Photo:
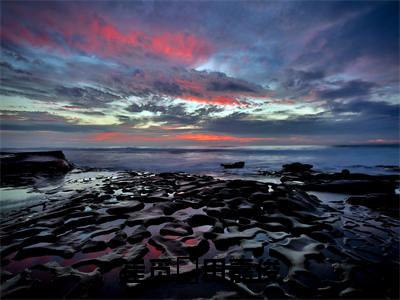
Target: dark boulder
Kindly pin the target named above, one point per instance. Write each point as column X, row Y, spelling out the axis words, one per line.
column 354, row 187
column 235, row 165
column 389, row 203
column 31, row 163
column 297, row 167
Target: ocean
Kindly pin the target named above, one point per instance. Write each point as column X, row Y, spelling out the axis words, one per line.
column 206, row 161
column 364, row 159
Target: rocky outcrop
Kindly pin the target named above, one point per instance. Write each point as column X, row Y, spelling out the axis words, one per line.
column 235, row 165
column 16, row 165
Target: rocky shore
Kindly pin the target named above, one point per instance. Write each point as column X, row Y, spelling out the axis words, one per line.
column 80, row 241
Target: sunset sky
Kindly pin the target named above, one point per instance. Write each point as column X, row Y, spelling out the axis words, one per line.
column 171, row 73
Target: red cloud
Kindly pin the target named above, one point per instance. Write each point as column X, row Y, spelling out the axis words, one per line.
column 92, row 34
column 118, row 137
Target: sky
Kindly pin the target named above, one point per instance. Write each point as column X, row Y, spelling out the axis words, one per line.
column 177, row 73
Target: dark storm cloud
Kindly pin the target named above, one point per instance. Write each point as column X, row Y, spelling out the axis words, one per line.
column 368, row 119
column 43, row 121
column 366, row 108
column 299, row 83
column 86, row 96
column 168, row 88
column 361, row 127
column 310, row 75
column 229, row 87
column 56, row 127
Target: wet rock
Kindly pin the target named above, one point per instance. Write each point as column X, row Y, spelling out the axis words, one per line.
column 177, row 229
column 235, row 165
column 5, row 275
column 297, row 167
column 345, row 172
column 170, row 208
column 137, row 236
column 171, row 247
column 33, row 162
column 247, row 210
column 75, row 222
column 275, row 226
column 353, row 186
column 119, row 239
column 256, row 247
column 188, row 215
column 199, row 220
column 115, row 258
column 351, row 293
column 82, row 282
column 196, row 247
column 296, row 252
column 104, row 231
column 274, row 291
column 125, row 207
column 258, row 197
column 45, row 249
column 234, row 236
column 226, row 193
column 18, row 285
column 385, row 202
column 94, row 246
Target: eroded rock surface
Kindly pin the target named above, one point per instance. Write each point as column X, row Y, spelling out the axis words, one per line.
column 80, row 241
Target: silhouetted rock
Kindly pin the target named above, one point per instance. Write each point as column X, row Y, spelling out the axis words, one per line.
column 296, row 167
column 34, row 162
column 18, row 168
column 389, row 203
column 235, row 165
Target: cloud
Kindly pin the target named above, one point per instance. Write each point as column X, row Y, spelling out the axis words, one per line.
column 358, row 119
column 354, row 88
column 229, row 87
column 83, row 30
column 366, row 108
column 86, row 96
column 118, row 137
column 361, row 36
column 265, row 69
column 43, row 121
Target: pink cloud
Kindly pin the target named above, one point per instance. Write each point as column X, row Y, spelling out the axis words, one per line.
column 83, row 30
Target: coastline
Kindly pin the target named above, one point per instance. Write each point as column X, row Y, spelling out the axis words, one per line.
column 77, row 242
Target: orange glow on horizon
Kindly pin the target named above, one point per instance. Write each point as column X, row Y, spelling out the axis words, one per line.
column 383, row 141
column 118, row 137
